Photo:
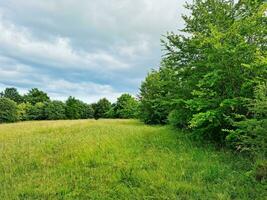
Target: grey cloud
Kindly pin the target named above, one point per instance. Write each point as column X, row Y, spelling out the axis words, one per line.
column 108, row 45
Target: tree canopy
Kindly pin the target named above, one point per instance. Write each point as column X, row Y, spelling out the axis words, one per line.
column 210, row 71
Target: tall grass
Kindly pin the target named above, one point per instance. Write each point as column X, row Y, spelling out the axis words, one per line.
column 116, row 159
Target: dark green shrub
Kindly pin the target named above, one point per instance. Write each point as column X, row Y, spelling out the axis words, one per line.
column 8, row 110
column 260, row 171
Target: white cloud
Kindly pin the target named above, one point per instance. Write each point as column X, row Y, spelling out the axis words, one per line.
column 85, row 48
column 20, row 43
column 86, row 91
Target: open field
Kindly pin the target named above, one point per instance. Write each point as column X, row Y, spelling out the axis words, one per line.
column 116, row 159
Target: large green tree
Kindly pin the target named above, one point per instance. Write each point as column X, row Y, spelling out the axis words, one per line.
column 13, row 94
column 36, row 111
column 76, row 109
column 126, row 107
column 101, row 108
column 209, row 72
column 55, row 110
column 35, row 95
column 73, row 108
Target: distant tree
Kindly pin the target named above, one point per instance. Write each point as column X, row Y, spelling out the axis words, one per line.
column 111, row 113
column 13, row 94
column 87, row 111
column 76, row 109
column 36, row 112
column 101, row 108
column 55, row 110
column 23, row 111
column 126, row 107
column 35, row 95
column 8, row 110
column 73, row 108
column 93, row 105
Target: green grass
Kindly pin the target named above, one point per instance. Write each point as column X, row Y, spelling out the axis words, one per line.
column 116, row 159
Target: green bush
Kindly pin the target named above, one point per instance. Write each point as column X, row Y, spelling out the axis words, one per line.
column 8, row 110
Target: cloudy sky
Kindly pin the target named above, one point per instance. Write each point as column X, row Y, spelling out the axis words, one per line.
column 85, row 48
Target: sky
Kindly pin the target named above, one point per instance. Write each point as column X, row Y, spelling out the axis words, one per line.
column 88, row 49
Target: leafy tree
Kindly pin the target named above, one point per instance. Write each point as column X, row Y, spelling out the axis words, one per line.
column 36, row 111
column 231, row 57
column 250, row 134
column 111, row 113
column 155, row 104
column 13, row 94
column 76, row 109
column 35, row 95
column 151, row 106
column 126, row 107
column 73, row 108
column 54, row 110
column 208, row 74
column 8, row 110
column 101, row 108
column 87, row 111
column 23, row 111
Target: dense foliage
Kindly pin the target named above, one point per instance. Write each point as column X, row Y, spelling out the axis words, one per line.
column 8, row 111
column 36, row 105
column 55, row 110
column 213, row 77
column 126, row 107
column 101, row 108
column 76, row 109
column 13, row 94
column 35, row 96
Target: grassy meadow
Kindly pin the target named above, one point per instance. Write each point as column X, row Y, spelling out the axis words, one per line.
column 116, row 159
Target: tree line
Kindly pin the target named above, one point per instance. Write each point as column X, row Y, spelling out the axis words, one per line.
column 212, row 79
column 37, row 105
